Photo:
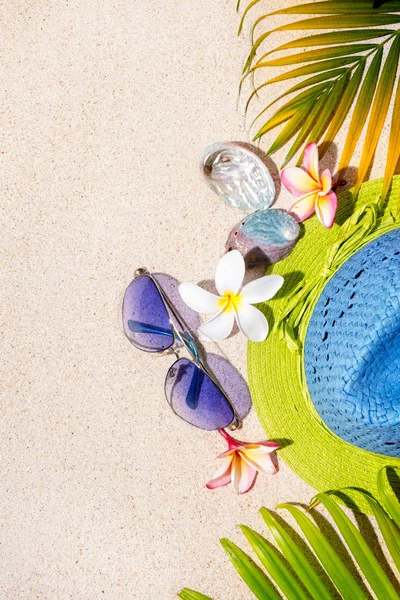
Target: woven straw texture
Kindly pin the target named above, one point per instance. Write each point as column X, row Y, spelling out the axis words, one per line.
column 352, row 348
column 276, row 367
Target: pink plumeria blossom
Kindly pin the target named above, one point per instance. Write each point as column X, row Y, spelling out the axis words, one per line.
column 241, row 462
column 313, row 191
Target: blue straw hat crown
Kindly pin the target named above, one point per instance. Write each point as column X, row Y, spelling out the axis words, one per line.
column 352, row 348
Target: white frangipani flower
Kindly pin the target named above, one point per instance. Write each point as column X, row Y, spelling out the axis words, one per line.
column 232, row 302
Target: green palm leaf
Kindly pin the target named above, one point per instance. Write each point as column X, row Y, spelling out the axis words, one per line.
column 328, row 52
column 388, row 529
column 322, row 8
column 286, row 563
column 187, row 594
column 316, row 67
column 372, row 570
column 358, row 85
column 393, row 155
column 329, row 22
column 336, row 569
column 275, row 565
column 379, row 109
column 296, row 559
column 389, row 499
column 290, row 128
column 361, row 110
column 255, row 578
column 328, row 8
column 333, row 100
column 332, row 38
column 312, row 117
column 343, row 108
column 324, row 77
column 291, row 107
column 335, row 37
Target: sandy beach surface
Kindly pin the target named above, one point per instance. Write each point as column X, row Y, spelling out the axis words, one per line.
column 105, row 107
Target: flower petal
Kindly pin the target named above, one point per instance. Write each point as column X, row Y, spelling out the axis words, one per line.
column 218, row 328
column 262, row 289
column 252, row 323
column 326, row 209
column 260, row 462
column 326, row 182
column 222, row 476
column 229, row 452
column 298, row 182
column 230, row 273
column 310, row 160
column 304, row 206
column 197, row 298
column 263, row 447
column 243, row 475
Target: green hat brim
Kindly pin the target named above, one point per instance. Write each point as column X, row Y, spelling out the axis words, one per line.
column 276, row 366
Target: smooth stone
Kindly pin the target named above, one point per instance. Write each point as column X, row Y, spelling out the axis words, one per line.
column 266, row 236
column 238, row 175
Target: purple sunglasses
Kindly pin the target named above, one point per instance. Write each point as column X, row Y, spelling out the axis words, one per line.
column 152, row 324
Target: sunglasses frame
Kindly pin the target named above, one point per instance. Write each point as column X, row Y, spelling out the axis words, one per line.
column 187, row 341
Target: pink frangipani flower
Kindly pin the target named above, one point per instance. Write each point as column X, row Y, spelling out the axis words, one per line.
column 313, row 191
column 241, row 462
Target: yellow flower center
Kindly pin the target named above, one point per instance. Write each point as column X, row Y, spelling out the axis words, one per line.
column 230, row 301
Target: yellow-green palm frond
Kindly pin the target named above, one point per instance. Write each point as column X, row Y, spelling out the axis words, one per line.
column 346, row 67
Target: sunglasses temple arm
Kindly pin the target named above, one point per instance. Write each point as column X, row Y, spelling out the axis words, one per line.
column 186, row 339
column 192, row 348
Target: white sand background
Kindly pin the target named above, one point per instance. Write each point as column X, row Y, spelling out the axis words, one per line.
column 105, row 106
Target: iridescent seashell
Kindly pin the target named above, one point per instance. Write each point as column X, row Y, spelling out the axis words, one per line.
column 238, row 175
column 265, row 236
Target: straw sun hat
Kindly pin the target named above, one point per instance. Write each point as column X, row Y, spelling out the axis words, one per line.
column 326, row 383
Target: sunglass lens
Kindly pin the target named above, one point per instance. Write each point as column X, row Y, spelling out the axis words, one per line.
column 194, row 397
column 145, row 318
